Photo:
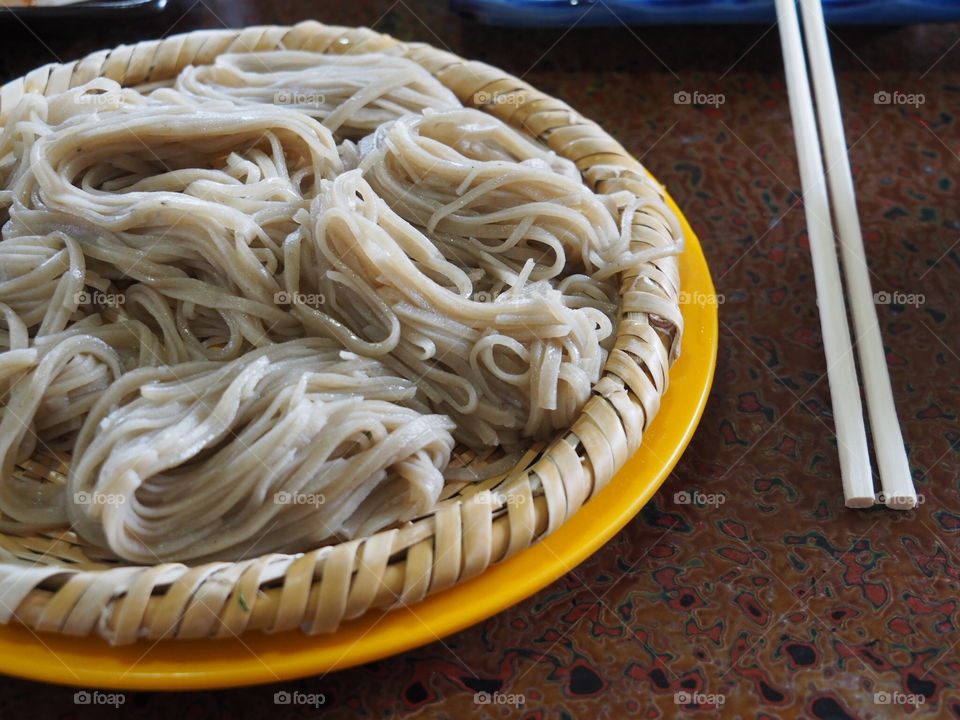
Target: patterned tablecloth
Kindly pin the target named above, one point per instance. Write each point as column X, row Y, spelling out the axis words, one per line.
column 765, row 598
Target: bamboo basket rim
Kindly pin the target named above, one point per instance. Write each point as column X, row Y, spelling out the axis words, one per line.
column 52, row 585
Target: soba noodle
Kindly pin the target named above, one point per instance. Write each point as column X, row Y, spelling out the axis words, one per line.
column 254, row 308
column 519, row 366
column 287, row 446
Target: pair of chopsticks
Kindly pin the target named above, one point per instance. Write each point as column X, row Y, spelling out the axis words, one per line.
column 897, row 485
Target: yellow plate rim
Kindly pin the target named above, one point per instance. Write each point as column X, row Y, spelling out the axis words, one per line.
column 258, row 658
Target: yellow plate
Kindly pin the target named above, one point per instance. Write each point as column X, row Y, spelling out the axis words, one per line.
column 260, row 658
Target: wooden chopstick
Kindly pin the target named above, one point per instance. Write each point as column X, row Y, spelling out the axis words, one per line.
column 895, row 478
column 841, row 369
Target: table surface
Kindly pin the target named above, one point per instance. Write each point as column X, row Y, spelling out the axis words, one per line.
column 773, row 598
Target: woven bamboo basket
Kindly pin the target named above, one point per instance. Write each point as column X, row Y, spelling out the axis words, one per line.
column 53, row 582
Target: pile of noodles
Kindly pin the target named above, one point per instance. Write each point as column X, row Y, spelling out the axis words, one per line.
column 256, row 308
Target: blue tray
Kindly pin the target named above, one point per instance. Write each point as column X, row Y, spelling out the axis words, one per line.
column 88, row 10
column 561, row 13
